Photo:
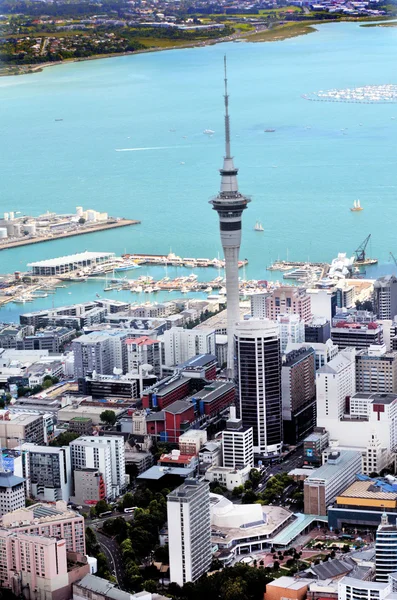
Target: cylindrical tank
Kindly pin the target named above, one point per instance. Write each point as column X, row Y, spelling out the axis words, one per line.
column 13, row 229
column 12, row 216
column 3, row 233
column 91, row 215
column 30, row 228
column 79, row 211
column 6, row 216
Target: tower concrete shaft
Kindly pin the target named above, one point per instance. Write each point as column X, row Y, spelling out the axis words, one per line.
column 229, row 204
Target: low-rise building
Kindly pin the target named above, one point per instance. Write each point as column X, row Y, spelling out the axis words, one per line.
column 314, row 445
column 17, row 428
column 356, row 335
column 96, row 588
column 214, row 397
column 324, row 484
column 228, row 476
column 89, row 486
column 192, row 441
column 363, row 502
column 80, row 425
column 12, row 493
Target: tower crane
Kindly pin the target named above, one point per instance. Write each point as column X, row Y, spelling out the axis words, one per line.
column 360, row 252
column 361, row 257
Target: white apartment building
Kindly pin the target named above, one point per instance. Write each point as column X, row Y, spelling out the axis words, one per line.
column 189, row 531
column 143, row 351
column 237, row 443
column 105, row 454
column 323, row 303
column 335, row 382
column 47, row 471
column 100, row 351
column 368, row 423
column 181, row 344
column 258, row 305
column 292, row 329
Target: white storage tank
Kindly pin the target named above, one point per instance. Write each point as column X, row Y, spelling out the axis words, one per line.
column 91, row 215
column 3, row 233
column 30, row 228
column 79, row 211
column 10, row 229
column 6, row 216
column 12, row 216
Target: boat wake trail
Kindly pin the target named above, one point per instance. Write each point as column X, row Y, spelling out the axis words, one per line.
column 149, row 148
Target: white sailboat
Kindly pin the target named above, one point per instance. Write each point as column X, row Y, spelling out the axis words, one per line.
column 258, row 226
column 356, row 206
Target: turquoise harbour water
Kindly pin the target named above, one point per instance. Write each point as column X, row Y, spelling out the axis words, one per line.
column 303, row 177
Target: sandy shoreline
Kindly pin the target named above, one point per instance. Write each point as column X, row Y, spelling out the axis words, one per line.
column 37, row 68
column 261, row 34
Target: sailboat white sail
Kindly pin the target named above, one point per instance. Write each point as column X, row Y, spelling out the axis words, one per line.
column 258, row 226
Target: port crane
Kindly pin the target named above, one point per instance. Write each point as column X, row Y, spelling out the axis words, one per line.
column 394, row 258
column 361, row 257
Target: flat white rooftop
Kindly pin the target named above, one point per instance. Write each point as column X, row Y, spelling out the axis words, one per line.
column 72, row 258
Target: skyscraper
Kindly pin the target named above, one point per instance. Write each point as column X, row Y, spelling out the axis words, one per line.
column 385, row 549
column 258, row 377
column 385, row 297
column 229, row 204
column 189, row 531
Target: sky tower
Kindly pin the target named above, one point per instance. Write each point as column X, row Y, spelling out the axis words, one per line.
column 229, row 204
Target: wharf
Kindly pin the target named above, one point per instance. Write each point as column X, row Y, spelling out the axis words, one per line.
column 56, row 236
column 285, row 265
column 176, row 261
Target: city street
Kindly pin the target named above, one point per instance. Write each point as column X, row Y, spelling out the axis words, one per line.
column 113, row 554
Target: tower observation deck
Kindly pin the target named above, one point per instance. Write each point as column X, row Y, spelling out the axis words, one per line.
column 229, row 204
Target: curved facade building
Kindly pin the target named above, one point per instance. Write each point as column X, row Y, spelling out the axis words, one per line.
column 258, row 378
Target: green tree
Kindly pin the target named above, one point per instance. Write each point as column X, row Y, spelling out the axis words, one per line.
column 150, row 586
column 109, row 417
column 101, row 507
column 64, row 438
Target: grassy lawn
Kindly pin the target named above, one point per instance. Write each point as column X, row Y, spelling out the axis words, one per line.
column 281, row 32
column 284, row 9
column 164, row 43
column 241, row 26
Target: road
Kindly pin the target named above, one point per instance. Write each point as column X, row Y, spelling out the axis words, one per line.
column 113, row 554
column 110, row 548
